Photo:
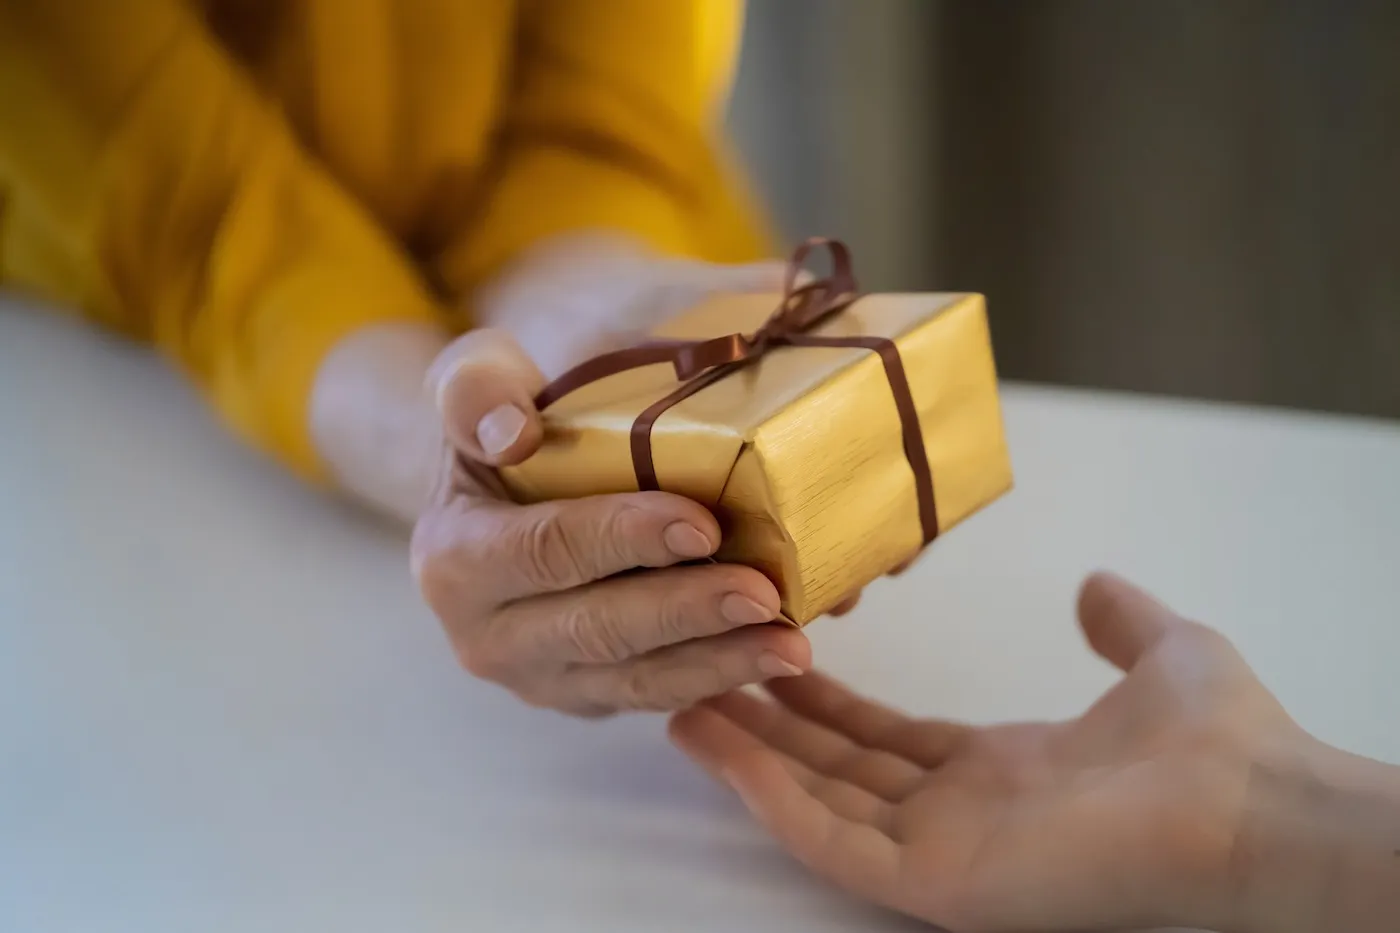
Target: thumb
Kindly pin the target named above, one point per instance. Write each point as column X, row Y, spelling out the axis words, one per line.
column 1120, row 621
column 485, row 386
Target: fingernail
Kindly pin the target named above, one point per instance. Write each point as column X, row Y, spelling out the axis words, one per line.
column 741, row 610
column 499, row 428
column 771, row 665
column 685, row 540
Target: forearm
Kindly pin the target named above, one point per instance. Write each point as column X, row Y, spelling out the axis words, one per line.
column 1320, row 845
column 160, row 191
column 614, row 124
column 375, row 422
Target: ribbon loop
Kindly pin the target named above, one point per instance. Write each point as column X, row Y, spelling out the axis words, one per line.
column 841, row 280
column 696, row 358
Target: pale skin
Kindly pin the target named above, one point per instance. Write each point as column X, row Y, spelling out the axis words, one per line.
column 1184, row 797
column 536, row 598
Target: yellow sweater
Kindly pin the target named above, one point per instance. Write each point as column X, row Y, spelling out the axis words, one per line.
column 244, row 182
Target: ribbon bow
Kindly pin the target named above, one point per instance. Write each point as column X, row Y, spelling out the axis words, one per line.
column 802, row 308
column 701, row 363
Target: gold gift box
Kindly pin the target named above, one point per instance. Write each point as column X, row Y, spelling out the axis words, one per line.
column 800, row 455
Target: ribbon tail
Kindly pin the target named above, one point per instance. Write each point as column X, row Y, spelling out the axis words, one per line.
column 643, row 464
column 610, row 364
column 912, row 430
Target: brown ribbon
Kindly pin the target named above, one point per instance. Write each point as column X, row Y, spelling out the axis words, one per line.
column 701, row 363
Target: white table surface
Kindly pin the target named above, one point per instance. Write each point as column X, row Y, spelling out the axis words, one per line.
column 222, row 706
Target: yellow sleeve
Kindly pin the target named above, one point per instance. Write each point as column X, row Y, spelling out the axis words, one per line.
column 157, row 190
column 614, row 123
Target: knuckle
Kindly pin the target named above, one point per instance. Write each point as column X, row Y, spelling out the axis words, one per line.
column 618, row 534
column 591, row 634
column 549, row 556
column 675, row 618
column 692, row 606
column 637, row 688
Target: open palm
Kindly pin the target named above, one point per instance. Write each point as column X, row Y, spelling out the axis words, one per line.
column 1125, row 816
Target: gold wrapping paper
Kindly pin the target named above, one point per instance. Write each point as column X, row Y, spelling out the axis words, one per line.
column 800, row 455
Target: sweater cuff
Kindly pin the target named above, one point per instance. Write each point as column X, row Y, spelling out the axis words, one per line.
column 548, row 191
column 302, row 319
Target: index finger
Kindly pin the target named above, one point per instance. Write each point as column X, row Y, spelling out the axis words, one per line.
column 514, row 551
column 821, row 700
column 855, row 855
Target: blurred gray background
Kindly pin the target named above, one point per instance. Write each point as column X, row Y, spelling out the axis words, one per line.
column 1193, row 197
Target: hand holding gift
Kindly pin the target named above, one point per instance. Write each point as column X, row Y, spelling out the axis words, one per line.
column 539, row 598
column 814, row 448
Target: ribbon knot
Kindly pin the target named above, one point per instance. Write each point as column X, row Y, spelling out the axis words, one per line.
column 700, row 363
column 801, row 308
column 694, row 360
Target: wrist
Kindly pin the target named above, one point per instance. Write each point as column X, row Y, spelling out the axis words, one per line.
column 571, row 296
column 1319, row 843
column 374, row 421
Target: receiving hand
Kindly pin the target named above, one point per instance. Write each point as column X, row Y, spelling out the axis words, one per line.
column 1127, row 816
